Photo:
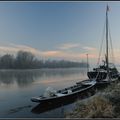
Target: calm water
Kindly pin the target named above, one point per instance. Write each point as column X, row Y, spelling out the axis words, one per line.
column 18, row 86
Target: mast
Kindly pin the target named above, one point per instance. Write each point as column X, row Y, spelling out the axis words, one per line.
column 87, row 64
column 107, row 58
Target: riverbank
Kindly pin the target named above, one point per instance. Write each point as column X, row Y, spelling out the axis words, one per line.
column 104, row 104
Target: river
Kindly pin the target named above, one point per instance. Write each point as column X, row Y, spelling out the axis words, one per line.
column 18, row 86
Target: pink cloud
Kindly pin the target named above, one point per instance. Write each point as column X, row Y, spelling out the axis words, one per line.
column 50, row 53
column 89, row 48
column 68, row 46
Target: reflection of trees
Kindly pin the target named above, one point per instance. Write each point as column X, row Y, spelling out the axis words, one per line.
column 6, row 78
column 22, row 78
column 26, row 77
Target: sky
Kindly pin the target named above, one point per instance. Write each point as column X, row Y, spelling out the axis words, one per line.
column 58, row 30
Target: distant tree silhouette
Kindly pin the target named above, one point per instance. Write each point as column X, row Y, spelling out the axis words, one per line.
column 26, row 60
column 7, row 61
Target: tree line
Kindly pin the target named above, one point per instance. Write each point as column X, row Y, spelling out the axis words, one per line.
column 26, row 60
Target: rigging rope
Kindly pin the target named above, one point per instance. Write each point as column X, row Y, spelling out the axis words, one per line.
column 113, row 58
column 101, row 45
column 100, row 50
column 112, row 53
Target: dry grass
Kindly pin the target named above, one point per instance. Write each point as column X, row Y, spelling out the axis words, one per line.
column 98, row 107
column 105, row 104
column 113, row 95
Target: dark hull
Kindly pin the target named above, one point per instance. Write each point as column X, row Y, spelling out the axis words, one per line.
column 101, row 75
column 41, row 108
column 93, row 75
column 73, row 96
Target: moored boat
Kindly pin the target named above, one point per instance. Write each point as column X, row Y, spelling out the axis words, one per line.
column 106, row 73
column 73, row 92
column 101, row 75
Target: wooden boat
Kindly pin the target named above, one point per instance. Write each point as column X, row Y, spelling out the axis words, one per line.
column 41, row 108
column 73, row 92
column 101, row 75
column 106, row 73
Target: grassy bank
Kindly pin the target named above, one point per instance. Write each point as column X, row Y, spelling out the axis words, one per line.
column 104, row 104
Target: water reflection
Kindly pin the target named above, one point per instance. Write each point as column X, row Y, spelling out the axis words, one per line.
column 41, row 108
column 18, row 86
column 26, row 77
column 19, row 77
column 17, row 109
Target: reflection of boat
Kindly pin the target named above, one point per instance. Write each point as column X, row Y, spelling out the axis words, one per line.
column 73, row 92
column 106, row 73
column 41, row 108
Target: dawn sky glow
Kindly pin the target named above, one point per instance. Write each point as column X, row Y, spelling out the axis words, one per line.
column 58, row 30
